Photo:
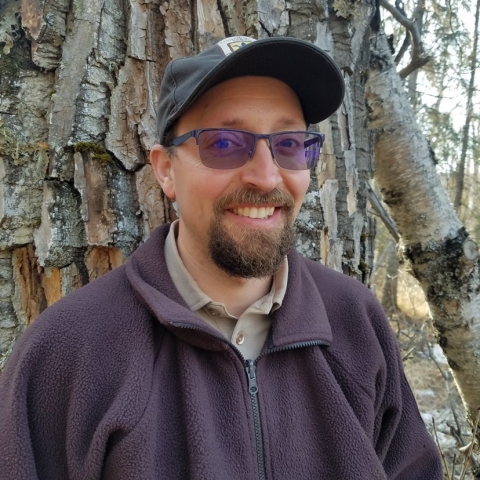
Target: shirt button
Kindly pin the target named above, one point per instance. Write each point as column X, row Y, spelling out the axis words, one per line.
column 240, row 339
column 213, row 313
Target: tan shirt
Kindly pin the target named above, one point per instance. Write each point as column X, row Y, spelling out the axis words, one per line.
column 249, row 331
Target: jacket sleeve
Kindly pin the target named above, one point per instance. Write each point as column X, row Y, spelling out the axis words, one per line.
column 403, row 443
column 78, row 376
column 30, row 413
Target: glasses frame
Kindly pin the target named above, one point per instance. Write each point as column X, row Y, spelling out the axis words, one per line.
column 257, row 136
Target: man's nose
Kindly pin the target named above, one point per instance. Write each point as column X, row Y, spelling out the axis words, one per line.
column 261, row 171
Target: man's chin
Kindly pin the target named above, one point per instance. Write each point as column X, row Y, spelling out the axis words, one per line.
column 250, row 252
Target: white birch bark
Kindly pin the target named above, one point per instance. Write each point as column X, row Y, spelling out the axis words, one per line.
column 442, row 256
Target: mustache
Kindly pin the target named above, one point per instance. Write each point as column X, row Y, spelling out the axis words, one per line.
column 275, row 197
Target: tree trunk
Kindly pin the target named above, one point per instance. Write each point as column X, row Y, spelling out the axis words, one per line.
column 79, row 84
column 443, row 257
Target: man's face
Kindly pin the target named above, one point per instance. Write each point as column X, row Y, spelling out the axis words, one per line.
column 218, row 207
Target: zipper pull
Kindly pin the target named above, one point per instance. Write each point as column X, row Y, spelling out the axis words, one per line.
column 252, row 378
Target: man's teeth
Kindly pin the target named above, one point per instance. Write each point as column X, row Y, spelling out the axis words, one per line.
column 255, row 212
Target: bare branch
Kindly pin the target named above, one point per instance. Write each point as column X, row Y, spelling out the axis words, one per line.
column 403, row 49
column 397, row 15
column 417, row 61
column 415, row 64
column 470, row 450
column 383, row 214
column 444, row 459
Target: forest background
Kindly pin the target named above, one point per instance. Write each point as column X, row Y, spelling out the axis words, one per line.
column 392, row 202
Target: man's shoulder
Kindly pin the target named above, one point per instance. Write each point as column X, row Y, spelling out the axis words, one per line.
column 103, row 308
column 101, row 325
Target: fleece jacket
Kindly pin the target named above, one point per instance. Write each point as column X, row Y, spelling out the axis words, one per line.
column 121, row 381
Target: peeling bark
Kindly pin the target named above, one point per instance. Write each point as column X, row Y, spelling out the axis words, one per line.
column 151, row 200
column 45, row 25
column 51, row 285
column 28, row 298
column 178, row 28
column 100, row 260
column 129, row 103
column 60, row 239
column 209, row 24
column 232, row 18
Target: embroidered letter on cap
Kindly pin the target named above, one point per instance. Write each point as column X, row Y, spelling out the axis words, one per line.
column 229, row 45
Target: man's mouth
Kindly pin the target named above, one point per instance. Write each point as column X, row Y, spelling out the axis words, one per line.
column 254, row 212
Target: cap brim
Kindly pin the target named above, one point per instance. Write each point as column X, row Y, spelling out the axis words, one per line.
column 308, row 70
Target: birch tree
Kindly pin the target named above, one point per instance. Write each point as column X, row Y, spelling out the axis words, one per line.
column 442, row 256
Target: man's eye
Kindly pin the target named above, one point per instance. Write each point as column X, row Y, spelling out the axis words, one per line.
column 222, row 143
column 289, row 143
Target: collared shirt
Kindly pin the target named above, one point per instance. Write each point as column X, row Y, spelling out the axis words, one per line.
column 247, row 332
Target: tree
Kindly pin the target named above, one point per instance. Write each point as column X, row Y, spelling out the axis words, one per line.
column 443, row 257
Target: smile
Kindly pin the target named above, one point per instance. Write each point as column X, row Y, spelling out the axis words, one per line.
column 254, row 212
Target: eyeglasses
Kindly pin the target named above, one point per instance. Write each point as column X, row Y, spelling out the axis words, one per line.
column 224, row 148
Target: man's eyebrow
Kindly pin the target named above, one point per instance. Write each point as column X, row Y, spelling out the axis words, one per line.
column 238, row 122
column 232, row 122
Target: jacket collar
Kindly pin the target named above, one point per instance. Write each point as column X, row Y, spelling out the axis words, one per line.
column 302, row 317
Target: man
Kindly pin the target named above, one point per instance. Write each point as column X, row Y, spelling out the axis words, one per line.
column 217, row 352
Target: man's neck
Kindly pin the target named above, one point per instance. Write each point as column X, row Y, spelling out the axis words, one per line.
column 236, row 293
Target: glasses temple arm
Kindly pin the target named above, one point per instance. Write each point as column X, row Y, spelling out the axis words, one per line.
column 182, row 138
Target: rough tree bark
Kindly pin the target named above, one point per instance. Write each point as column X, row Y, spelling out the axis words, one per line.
column 79, row 82
column 442, row 256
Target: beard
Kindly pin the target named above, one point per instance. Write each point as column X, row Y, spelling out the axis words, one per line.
column 252, row 252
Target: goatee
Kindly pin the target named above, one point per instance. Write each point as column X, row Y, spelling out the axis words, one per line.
column 252, row 253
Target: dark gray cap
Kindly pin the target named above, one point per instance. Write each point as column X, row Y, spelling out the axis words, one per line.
column 308, row 70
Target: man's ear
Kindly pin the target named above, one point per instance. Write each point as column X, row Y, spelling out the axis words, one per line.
column 163, row 169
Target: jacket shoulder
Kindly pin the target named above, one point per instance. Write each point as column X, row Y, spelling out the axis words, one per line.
column 100, row 322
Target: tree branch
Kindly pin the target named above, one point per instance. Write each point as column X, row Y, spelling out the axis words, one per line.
column 403, row 49
column 415, row 64
column 417, row 61
column 396, row 14
column 383, row 214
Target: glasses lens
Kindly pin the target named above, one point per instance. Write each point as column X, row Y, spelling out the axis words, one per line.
column 224, row 149
column 297, row 150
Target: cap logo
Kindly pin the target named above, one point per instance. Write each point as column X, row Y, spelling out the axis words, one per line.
column 232, row 44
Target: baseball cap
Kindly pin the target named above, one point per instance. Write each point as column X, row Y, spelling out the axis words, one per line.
column 308, row 70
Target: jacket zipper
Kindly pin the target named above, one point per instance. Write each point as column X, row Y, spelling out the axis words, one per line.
column 253, row 390
column 251, row 370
